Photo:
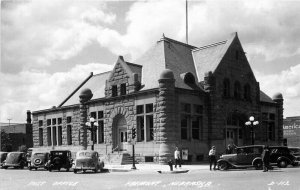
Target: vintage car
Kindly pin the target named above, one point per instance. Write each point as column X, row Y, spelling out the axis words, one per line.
column 2, row 158
column 59, row 159
column 296, row 152
column 87, row 160
column 15, row 159
column 281, row 156
column 245, row 157
column 38, row 160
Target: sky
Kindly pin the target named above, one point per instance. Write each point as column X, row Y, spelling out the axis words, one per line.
column 48, row 47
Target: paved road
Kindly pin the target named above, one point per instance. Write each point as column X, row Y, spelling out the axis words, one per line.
column 287, row 178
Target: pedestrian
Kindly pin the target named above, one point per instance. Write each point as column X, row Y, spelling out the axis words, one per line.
column 229, row 149
column 212, row 157
column 177, row 157
column 266, row 158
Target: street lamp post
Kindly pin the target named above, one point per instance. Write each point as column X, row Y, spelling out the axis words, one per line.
column 252, row 123
column 92, row 126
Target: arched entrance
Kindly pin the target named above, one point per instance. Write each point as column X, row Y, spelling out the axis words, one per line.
column 120, row 135
column 234, row 130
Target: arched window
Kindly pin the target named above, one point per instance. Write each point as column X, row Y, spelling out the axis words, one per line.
column 247, row 92
column 226, row 88
column 237, row 90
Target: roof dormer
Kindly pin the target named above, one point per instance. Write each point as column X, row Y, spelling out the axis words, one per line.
column 125, row 78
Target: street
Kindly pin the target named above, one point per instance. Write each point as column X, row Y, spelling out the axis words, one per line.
column 279, row 178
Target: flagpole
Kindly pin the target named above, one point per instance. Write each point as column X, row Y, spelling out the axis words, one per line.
column 186, row 21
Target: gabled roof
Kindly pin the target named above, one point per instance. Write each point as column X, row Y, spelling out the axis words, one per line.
column 207, row 58
column 97, row 85
column 166, row 54
column 265, row 98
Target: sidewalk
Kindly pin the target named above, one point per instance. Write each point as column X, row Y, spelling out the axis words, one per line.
column 154, row 168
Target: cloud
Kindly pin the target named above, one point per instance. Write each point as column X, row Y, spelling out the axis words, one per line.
column 288, row 83
column 34, row 90
column 35, row 34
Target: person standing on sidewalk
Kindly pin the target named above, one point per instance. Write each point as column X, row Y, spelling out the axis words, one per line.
column 212, row 157
column 177, row 157
column 266, row 158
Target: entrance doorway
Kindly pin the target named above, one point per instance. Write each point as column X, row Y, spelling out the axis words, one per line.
column 120, row 134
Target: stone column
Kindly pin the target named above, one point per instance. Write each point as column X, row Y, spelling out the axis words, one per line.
column 166, row 109
column 279, row 109
column 84, row 97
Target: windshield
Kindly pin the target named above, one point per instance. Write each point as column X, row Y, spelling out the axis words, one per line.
column 86, row 154
column 13, row 157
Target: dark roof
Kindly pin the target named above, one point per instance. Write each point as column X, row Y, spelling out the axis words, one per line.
column 97, row 85
column 265, row 98
column 166, row 54
column 207, row 58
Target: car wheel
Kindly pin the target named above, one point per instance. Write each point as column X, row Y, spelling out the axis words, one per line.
column 223, row 166
column 5, row 167
column 258, row 165
column 282, row 164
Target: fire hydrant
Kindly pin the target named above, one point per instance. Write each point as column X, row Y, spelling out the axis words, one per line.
column 170, row 163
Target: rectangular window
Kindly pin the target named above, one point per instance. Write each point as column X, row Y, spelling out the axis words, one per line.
column 54, row 121
column 140, row 128
column 59, row 121
column 140, row 109
column 93, row 115
column 186, row 108
column 184, row 127
column 149, row 120
column 48, row 122
column 149, row 108
column 123, row 89
column 59, row 128
column 100, row 114
column 69, row 119
column 40, row 136
column 240, row 133
column 271, row 131
column 40, row 123
column 69, row 134
column 49, row 136
column 272, row 116
column 198, row 109
column 114, row 90
column 100, row 131
column 54, row 139
column 195, row 128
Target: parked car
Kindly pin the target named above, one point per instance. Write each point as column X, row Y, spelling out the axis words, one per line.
column 88, row 160
column 281, row 156
column 59, row 159
column 245, row 157
column 38, row 160
column 2, row 158
column 296, row 152
column 15, row 159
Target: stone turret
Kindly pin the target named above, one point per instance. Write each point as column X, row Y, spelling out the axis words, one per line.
column 166, row 109
column 279, row 100
column 85, row 95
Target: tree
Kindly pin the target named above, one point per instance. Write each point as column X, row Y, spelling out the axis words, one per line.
column 6, row 143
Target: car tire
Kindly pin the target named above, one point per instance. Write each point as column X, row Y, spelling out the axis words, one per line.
column 282, row 164
column 223, row 166
column 5, row 167
column 258, row 165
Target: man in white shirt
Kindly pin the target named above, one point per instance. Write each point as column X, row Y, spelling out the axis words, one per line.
column 212, row 157
column 177, row 157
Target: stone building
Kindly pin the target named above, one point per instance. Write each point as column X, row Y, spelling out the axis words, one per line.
column 175, row 94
